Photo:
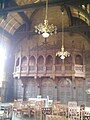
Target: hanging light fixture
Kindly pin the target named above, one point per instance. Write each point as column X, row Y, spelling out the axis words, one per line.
column 62, row 54
column 44, row 28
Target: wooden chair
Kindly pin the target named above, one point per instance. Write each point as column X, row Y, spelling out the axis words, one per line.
column 38, row 109
column 25, row 108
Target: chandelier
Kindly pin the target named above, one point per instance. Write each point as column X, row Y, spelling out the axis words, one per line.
column 44, row 28
column 62, row 54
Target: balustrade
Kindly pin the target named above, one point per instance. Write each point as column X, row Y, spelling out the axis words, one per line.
column 68, row 67
column 32, row 68
column 49, row 67
column 40, row 68
column 24, row 68
column 58, row 68
column 78, row 69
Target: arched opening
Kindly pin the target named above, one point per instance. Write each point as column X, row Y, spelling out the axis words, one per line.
column 49, row 63
column 24, row 63
column 78, row 60
column 68, row 63
column 40, row 63
column 32, row 63
column 57, row 60
column 58, row 63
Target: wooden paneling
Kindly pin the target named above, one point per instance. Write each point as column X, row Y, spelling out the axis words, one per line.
column 64, row 91
column 48, row 89
column 32, row 89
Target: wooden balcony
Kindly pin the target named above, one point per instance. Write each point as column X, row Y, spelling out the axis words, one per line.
column 51, row 70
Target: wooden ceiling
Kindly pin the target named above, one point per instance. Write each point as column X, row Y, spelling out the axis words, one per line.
column 16, row 13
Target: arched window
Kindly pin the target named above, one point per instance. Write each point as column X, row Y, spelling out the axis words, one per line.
column 57, row 60
column 32, row 61
column 68, row 60
column 17, row 62
column 40, row 60
column 68, row 63
column 24, row 63
column 78, row 60
column 49, row 60
column 40, row 63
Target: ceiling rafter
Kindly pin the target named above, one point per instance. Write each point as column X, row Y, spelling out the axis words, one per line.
column 20, row 9
column 69, row 14
column 82, row 29
column 42, row 4
column 74, row 29
column 22, row 14
column 79, row 8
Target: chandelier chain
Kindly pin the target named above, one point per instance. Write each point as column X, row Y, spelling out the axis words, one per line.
column 62, row 31
column 62, row 54
column 46, row 9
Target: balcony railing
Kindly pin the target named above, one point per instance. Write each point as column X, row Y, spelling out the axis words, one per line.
column 52, row 69
column 78, row 68
column 68, row 67
column 49, row 67
column 32, row 68
column 58, row 68
column 24, row 68
column 40, row 68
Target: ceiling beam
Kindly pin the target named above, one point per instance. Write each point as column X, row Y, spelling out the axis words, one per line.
column 75, row 29
column 42, row 4
column 5, row 33
column 81, row 28
column 22, row 14
column 79, row 8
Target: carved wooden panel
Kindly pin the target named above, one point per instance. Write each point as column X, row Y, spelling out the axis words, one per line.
column 19, row 89
column 32, row 89
column 87, row 60
column 64, row 91
column 48, row 89
column 24, row 63
column 80, row 89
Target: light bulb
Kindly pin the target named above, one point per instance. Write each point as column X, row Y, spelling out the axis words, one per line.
column 45, row 35
column 62, row 57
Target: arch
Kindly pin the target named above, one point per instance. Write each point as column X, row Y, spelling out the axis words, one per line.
column 57, row 60
column 24, row 63
column 23, row 60
column 64, row 89
column 48, row 89
column 49, row 60
column 17, row 62
column 68, row 60
column 78, row 60
column 40, row 60
column 32, row 61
